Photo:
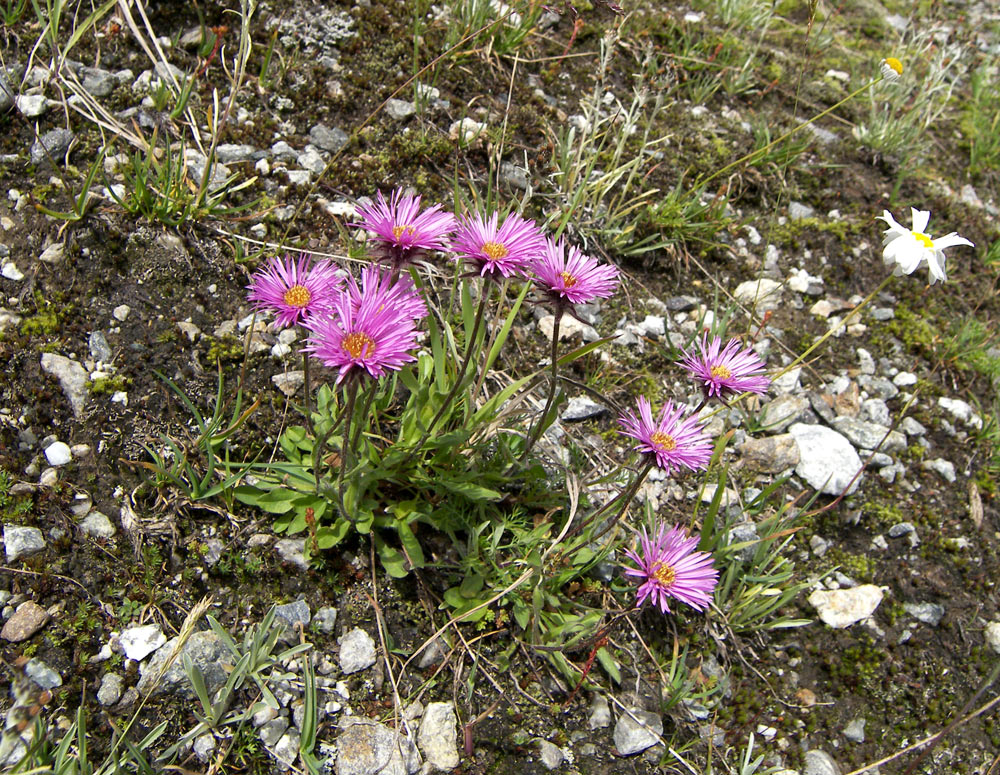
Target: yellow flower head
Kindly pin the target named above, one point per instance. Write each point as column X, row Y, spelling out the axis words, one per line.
column 891, row 68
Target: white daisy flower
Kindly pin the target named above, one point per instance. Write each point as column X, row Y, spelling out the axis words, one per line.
column 891, row 68
column 909, row 249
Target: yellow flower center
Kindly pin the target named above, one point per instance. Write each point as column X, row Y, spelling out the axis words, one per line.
column 359, row 343
column 398, row 231
column 923, row 239
column 894, row 64
column 568, row 280
column 663, row 441
column 495, row 250
column 720, row 372
column 297, row 296
column 664, row 575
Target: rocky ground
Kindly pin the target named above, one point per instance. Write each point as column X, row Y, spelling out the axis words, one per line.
column 104, row 569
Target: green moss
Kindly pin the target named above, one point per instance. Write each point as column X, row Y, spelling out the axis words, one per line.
column 226, row 348
column 47, row 319
column 104, row 385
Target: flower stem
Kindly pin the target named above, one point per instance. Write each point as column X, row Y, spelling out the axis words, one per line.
column 305, row 380
column 536, row 431
column 351, row 389
column 624, row 497
column 460, row 377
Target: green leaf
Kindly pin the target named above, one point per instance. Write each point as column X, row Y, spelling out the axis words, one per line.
column 471, row 585
column 329, row 536
column 470, row 490
column 393, row 560
column 610, row 664
column 411, row 546
column 456, row 600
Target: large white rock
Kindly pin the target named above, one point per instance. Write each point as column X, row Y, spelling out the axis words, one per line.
column 827, row 461
column 761, row 295
column 841, row 608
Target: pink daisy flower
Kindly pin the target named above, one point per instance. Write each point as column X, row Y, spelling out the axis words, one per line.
column 673, row 439
column 492, row 250
column 293, row 289
column 400, row 295
column 670, row 567
column 732, row 370
column 568, row 277
column 403, row 231
column 371, row 335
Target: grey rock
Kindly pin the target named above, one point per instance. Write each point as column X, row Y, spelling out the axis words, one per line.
column 742, row 533
column 292, row 615
column 292, row 551
column 960, row 410
column 912, row 427
column 879, row 386
column 761, row 295
column 550, row 754
column 889, row 473
column 43, row 675
column 328, row 139
column 582, row 408
column 111, row 689
column 284, row 152
column 820, row 763
column 357, row 651
column 868, row 435
column 7, row 91
column 514, row 176
column 286, row 750
column 233, row 153
column 437, row 737
column 681, row 303
column 97, row 82
column 855, row 730
column 883, row 313
column 28, row 619
column 325, row 619
column 865, row 361
column 32, row 105
column 904, row 379
column 72, row 378
column 270, row 732
column 901, row 529
column 310, row 160
column 943, row 468
column 840, row 608
column 400, row 109
column 139, row 642
column 204, row 747
column 636, row 731
column 797, row 211
column 98, row 525
column 213, row 551
column 100, row 350
column 206, row 651
column 365, row 747
column 819, row 545
column 600, row 712
column 771, row 454
column 22, row 541
column 778, row 414
column 827, row 461
column 55, row 142
column 875, row 410
column 928, row 613
column 653, row 326
column 992, row 635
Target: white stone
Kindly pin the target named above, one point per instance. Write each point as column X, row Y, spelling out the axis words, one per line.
column 466, row 131
column 840, row 608
column 761, row 295
column 437, row 736
column 98, row 525
column 11, row 272
column 139, row 642
column 32, row 105
column 827, row 461
column 53, row 254
column 58, row 454
column 120, row 312
column 992, row 633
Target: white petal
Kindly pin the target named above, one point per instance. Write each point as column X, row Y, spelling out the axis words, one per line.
column 894, row 226
column 950, row 240
column 920, row 219
column 936, row 267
